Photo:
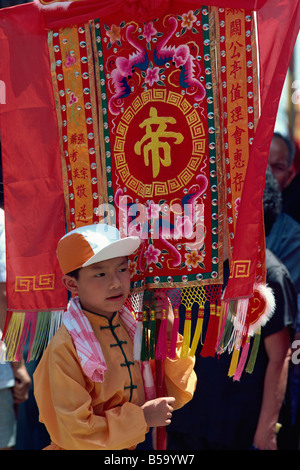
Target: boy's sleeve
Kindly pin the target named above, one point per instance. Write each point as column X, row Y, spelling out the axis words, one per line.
column 180, row 377
column 65, row 406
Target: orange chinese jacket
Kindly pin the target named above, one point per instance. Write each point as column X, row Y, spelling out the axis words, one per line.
column 80, row 414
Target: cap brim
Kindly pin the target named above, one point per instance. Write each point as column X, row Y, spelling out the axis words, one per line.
column 122, row 247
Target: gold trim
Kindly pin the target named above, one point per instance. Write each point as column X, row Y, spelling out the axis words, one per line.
column 59, row 122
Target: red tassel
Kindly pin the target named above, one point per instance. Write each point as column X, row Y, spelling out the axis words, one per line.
column 7, row 322
column 149, row 385
column 161, row 432
column 172, row 352
column 211, row 336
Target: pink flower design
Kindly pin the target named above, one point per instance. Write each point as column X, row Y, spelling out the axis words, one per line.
column 188, row 19
column 149, row 31
column 237, row 203
column 70, row 61
column 152, row 76
column 73, row 99
column 152, row 254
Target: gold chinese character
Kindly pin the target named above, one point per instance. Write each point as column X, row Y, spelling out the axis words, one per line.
column 155, row 144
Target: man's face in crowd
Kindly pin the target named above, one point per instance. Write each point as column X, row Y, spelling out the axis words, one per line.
column 279, row 162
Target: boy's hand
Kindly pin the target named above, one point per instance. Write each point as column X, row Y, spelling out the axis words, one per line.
column 22, row 382
column 158, row 412
column 163, row 302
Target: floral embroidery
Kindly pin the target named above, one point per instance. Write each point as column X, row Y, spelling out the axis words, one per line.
column 149, row 31
column 237, row 203
column 70, row 61
column 73, row 99
column 114, row 33
column 152, row 75
column 151, row 254
column 188, row 19
column 193, row 259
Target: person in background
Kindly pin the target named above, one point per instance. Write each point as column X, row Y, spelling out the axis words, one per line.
column 283, row 239
column 281, row 157
column 291, row 198
column 291, row 191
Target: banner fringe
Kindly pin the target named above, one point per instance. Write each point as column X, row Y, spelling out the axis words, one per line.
column 37, row 327
column 198, row 331
column 172, row 352
column 186, row 333
column 227, row 328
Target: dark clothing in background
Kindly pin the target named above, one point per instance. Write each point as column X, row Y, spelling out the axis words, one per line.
column 223, row 414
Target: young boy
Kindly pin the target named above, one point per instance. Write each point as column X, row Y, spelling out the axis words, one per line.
column 88, row 388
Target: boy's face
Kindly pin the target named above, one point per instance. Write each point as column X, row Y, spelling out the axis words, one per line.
column 103, row 287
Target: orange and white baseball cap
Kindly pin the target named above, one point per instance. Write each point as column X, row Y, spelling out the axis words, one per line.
column 91, row 244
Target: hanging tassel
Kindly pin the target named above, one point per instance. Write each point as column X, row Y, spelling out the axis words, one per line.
column 41, row 335
column 149, row 386
column 3, row 349
column 238, row 324
column 228, row 329
column 144, row 351
column 233, row 362
column 186, row 333
column 223, row 320
column 152, row 334
column 253, row 354
column 32, row 335
column 13, row 333
column 7, row 323
column 56, row 322
column 39, row 327
column 175, row 329
column 242, row 360
column 138, row 337
column 261, row 309
column 161, row 433
column 23, row 336
column 198, row 331
column 161, row 346
column 211, row 337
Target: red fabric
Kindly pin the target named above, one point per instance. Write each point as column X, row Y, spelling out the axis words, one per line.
column 29, row 133
column 81, row 11
column 278, row 26
column 34, row 203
